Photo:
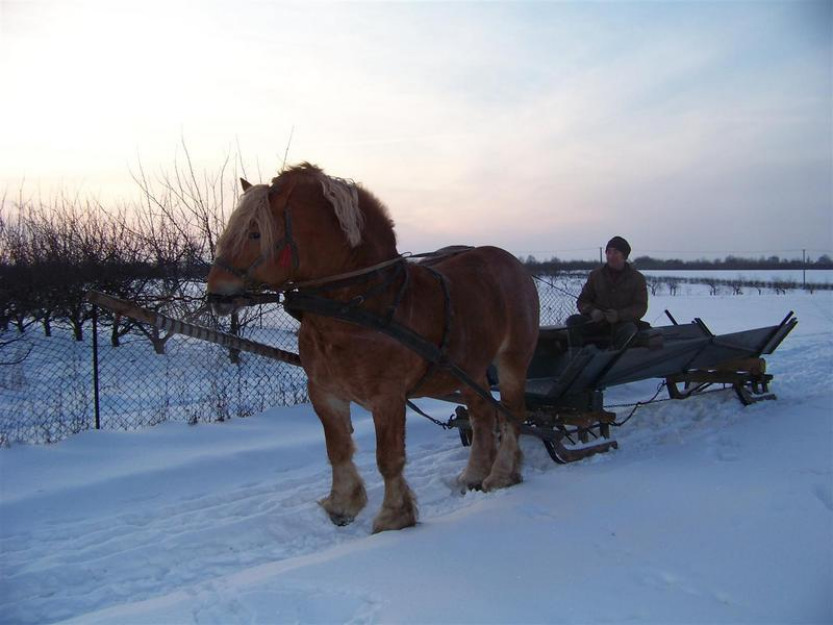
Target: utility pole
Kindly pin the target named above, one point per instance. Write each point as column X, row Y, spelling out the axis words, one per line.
column 601, row 258
column 804, row 268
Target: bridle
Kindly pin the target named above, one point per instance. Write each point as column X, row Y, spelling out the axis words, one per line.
column 286, row 248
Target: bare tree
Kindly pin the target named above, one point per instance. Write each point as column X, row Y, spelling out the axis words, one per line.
column 18, row 257
column 156, row 252
column 180, row 219
column 196, row 206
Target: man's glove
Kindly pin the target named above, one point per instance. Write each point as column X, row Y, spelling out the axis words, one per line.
column 597, row 315
column 611, row 316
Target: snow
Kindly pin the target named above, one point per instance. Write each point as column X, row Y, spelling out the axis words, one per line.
column 709, row 512
column 795, row 276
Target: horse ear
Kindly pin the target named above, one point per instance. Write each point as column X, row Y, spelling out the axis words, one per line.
column 245, row 184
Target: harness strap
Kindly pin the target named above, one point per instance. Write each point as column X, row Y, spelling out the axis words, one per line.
column 286, row 247
column 303, row 302
column 432, row 366
column 223, row 264
column 342, row 281
column 406, row 281
column 421, row 412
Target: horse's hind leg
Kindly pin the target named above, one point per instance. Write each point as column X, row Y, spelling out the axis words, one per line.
column 347, row 496
column 506, row 469
column 483, row 449
column 399, row 507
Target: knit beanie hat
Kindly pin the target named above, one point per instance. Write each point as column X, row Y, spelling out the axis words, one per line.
column 618, row 243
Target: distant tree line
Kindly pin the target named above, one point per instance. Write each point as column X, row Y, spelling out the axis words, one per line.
column 52, row 254
column 556, row 265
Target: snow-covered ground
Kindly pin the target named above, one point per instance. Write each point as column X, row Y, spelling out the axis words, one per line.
column 708, row 513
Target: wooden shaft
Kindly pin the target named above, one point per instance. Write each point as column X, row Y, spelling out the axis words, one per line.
column 193, row 330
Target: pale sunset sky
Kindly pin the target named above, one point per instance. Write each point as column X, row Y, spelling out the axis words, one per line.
column 694, row 129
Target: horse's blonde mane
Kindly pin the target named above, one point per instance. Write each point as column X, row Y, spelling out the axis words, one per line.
column 344, row 198
column 252, row 210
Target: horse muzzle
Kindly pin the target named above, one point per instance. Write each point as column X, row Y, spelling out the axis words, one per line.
column 222, row 305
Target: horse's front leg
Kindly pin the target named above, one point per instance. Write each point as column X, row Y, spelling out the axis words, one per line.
column 347, row 495
column 399, row 507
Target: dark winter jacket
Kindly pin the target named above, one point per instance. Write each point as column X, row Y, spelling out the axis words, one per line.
column 623, row 291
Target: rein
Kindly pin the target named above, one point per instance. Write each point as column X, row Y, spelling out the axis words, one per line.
column 430, row 258
column 249, row 298
column 343, row 279
column 337, row 280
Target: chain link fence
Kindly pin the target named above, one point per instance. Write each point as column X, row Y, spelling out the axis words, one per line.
column 196, row 381
column 558, row 295
column 48, row 384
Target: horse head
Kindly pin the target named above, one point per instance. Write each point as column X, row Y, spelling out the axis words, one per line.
column 305, row 225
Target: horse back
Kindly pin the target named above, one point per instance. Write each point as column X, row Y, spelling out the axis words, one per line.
column 493, row 299
column 491, row 308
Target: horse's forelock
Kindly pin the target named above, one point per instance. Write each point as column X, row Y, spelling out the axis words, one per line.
column 252, row 209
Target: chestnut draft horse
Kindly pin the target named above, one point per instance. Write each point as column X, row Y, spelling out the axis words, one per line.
column 305, row 231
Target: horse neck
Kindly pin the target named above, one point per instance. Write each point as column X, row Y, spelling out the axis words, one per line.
column 369, row 254
column 334, row 257
column 368, row 275
column 378, row 245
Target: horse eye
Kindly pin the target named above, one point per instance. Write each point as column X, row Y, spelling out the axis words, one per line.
column 254, row 236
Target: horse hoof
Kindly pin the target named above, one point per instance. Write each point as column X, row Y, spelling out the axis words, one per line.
column 467, row 483
column 341, row 519
column 338, row 517
column 388, row 519
column 466, row 486
column 386, row 525
column 494, row 483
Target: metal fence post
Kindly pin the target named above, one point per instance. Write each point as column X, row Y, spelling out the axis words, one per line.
column 96, row 403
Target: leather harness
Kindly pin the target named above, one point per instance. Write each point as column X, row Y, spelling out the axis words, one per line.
column 309, row 297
